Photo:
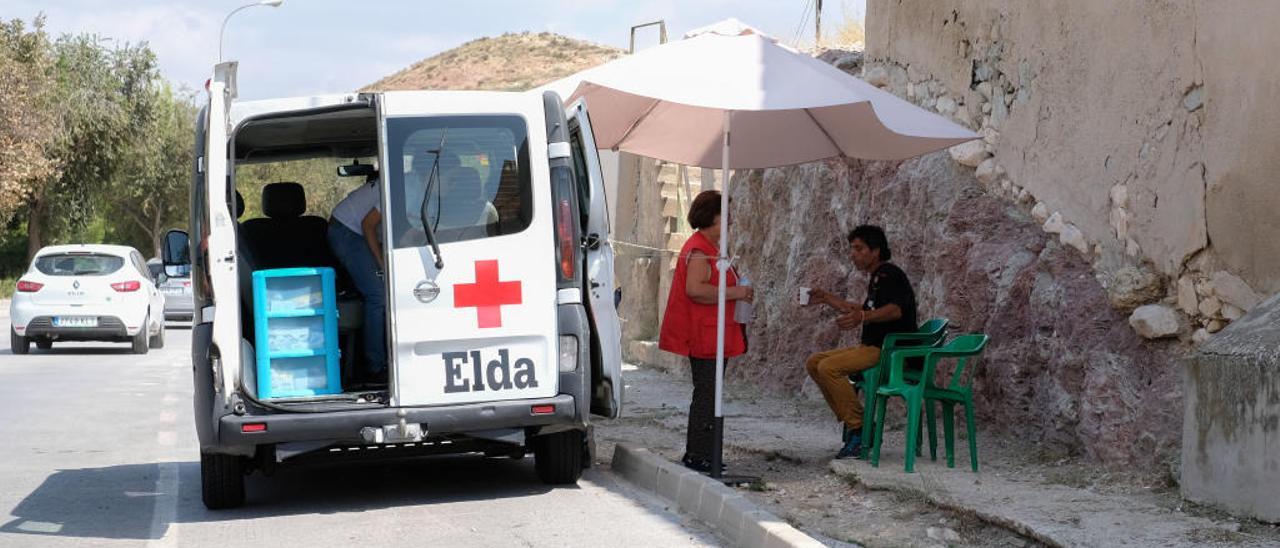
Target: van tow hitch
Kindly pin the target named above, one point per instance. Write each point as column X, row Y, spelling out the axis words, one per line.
column 401, row 432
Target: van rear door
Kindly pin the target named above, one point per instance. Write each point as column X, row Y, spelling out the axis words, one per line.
column 606, row 332
column 470, row 169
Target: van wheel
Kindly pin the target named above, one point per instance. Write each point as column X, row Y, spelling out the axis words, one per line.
column 221, row 481
column 44, row 344
column 17, row 343
column 558, row 457
column 140, row 340
column 157, row 340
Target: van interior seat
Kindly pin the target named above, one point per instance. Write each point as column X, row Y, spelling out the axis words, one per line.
column 285, row 238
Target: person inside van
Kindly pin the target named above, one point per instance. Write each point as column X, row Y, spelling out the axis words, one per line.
column 353, row 236
column 466, row 213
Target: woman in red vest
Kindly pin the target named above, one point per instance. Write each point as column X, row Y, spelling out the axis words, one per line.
column 689, row 324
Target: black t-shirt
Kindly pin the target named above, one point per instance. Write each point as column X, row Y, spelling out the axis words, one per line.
column 889, row 285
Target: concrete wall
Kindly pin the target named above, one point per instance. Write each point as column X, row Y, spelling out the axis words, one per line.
column 1231, row 430
column 1145, row 125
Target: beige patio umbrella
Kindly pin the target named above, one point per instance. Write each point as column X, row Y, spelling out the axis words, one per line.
column 732, row 98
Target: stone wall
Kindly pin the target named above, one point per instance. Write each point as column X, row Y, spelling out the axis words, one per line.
column 1140, row 131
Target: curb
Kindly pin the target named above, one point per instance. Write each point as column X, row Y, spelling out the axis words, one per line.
column 732, row 515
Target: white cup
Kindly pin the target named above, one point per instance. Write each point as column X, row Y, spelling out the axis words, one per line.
column 802, row 297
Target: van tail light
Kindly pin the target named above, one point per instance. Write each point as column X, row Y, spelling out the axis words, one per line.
column 125, row 287
column 28, row 287
column 564, row 238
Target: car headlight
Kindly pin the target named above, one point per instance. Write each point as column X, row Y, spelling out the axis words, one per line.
column 568, row 353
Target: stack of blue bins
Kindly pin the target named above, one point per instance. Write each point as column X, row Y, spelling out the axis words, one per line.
column 296, row 314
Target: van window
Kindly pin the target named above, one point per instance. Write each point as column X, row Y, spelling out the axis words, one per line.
column 79, row 264
column 481, row 166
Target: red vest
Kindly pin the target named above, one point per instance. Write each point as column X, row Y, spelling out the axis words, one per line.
column 689, row 328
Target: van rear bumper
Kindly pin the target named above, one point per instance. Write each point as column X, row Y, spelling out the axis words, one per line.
column 346, row 425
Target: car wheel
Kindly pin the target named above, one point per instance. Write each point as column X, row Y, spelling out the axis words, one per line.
column 221, row 481
column 558, row 457
column 140, row 340
column 157, row 340
column 44, row 344
column 18, row 344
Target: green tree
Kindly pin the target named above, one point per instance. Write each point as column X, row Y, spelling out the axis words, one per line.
column 105, row 99
column 28, row 120
column 148, row 195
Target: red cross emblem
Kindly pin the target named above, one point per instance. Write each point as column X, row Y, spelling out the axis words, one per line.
column 487, row 294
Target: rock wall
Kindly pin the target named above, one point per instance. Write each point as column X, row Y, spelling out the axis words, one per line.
column 1063, row 369
column 1140, row 132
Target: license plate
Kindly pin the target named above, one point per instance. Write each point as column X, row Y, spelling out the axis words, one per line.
column 171, row 290
column 75, row 321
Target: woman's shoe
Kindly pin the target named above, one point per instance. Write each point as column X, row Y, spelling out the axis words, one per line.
column 699, row 465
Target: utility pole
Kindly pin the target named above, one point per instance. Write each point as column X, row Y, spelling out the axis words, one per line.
column 817, row 24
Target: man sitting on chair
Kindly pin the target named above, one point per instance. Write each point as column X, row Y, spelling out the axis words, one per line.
column 890, row 307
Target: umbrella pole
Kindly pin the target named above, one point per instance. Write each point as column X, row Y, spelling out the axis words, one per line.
column 722, row 264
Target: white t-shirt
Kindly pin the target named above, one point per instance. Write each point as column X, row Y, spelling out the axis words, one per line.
column 352, row 209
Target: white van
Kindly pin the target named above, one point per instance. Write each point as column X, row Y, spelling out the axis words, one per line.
column 502, row 337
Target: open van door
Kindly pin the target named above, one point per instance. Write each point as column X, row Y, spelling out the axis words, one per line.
column 606, row 333
column 471, row 265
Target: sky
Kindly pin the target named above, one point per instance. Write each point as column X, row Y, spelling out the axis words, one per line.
column 307, row 47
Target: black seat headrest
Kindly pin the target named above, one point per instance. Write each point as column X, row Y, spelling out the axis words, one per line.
column 283, row 200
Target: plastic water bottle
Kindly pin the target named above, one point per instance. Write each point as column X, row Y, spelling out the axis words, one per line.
column 742, row 310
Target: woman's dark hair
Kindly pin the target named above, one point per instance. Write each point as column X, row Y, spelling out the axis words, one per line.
column 873, row 237
column 705, row 208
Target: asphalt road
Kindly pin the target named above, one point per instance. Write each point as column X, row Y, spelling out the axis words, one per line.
column 99, row 449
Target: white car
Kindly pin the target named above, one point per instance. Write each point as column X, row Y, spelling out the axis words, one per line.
column 87, row 292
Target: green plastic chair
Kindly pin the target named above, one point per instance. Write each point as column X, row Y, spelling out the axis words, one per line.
column 916, row 394
column 930, row 334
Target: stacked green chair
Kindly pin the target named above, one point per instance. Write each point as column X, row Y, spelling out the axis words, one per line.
column 924, row 391
column 930, row 334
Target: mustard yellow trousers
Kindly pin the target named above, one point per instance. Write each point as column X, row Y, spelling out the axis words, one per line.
column 831, row 370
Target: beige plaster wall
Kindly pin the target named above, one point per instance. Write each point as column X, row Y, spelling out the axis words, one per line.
column 1146, row 125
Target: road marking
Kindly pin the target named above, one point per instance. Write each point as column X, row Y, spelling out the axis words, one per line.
column 164, row 517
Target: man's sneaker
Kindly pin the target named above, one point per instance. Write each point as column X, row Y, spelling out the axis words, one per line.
column 852, row 447
column 846, row 431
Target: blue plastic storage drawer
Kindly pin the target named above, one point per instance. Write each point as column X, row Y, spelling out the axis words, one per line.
column 296, row 335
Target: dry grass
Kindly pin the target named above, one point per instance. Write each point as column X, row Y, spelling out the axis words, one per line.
column 511, row 62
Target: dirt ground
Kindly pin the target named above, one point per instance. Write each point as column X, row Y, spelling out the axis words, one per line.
column 789, row 443
column 761, row 440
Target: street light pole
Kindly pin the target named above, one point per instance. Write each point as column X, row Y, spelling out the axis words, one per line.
column 223, row 30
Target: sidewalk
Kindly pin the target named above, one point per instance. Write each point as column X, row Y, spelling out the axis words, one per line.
column 790, row 442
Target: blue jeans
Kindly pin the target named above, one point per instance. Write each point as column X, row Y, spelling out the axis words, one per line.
column 353, row 253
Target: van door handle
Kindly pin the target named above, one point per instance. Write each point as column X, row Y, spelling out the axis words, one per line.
column 591, row 241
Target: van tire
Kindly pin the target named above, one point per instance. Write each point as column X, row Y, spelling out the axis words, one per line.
column 140, row 340
column 18, row 344
column 157, row 340
column 558, row 457
column 221, row 481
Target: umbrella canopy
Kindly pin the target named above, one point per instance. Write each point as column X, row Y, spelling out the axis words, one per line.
column 668, row 102
column 729, row 97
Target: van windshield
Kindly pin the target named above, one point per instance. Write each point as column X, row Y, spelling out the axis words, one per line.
column 79, row 264
column 481, row 170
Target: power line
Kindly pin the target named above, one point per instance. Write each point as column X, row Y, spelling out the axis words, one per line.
column 804, row 20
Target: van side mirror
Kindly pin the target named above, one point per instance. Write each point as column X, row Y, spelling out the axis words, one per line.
column 176, row 249
column 357, row 170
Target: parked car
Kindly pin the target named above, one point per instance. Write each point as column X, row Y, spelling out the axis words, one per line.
column 175, row 282
column 87, row 292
